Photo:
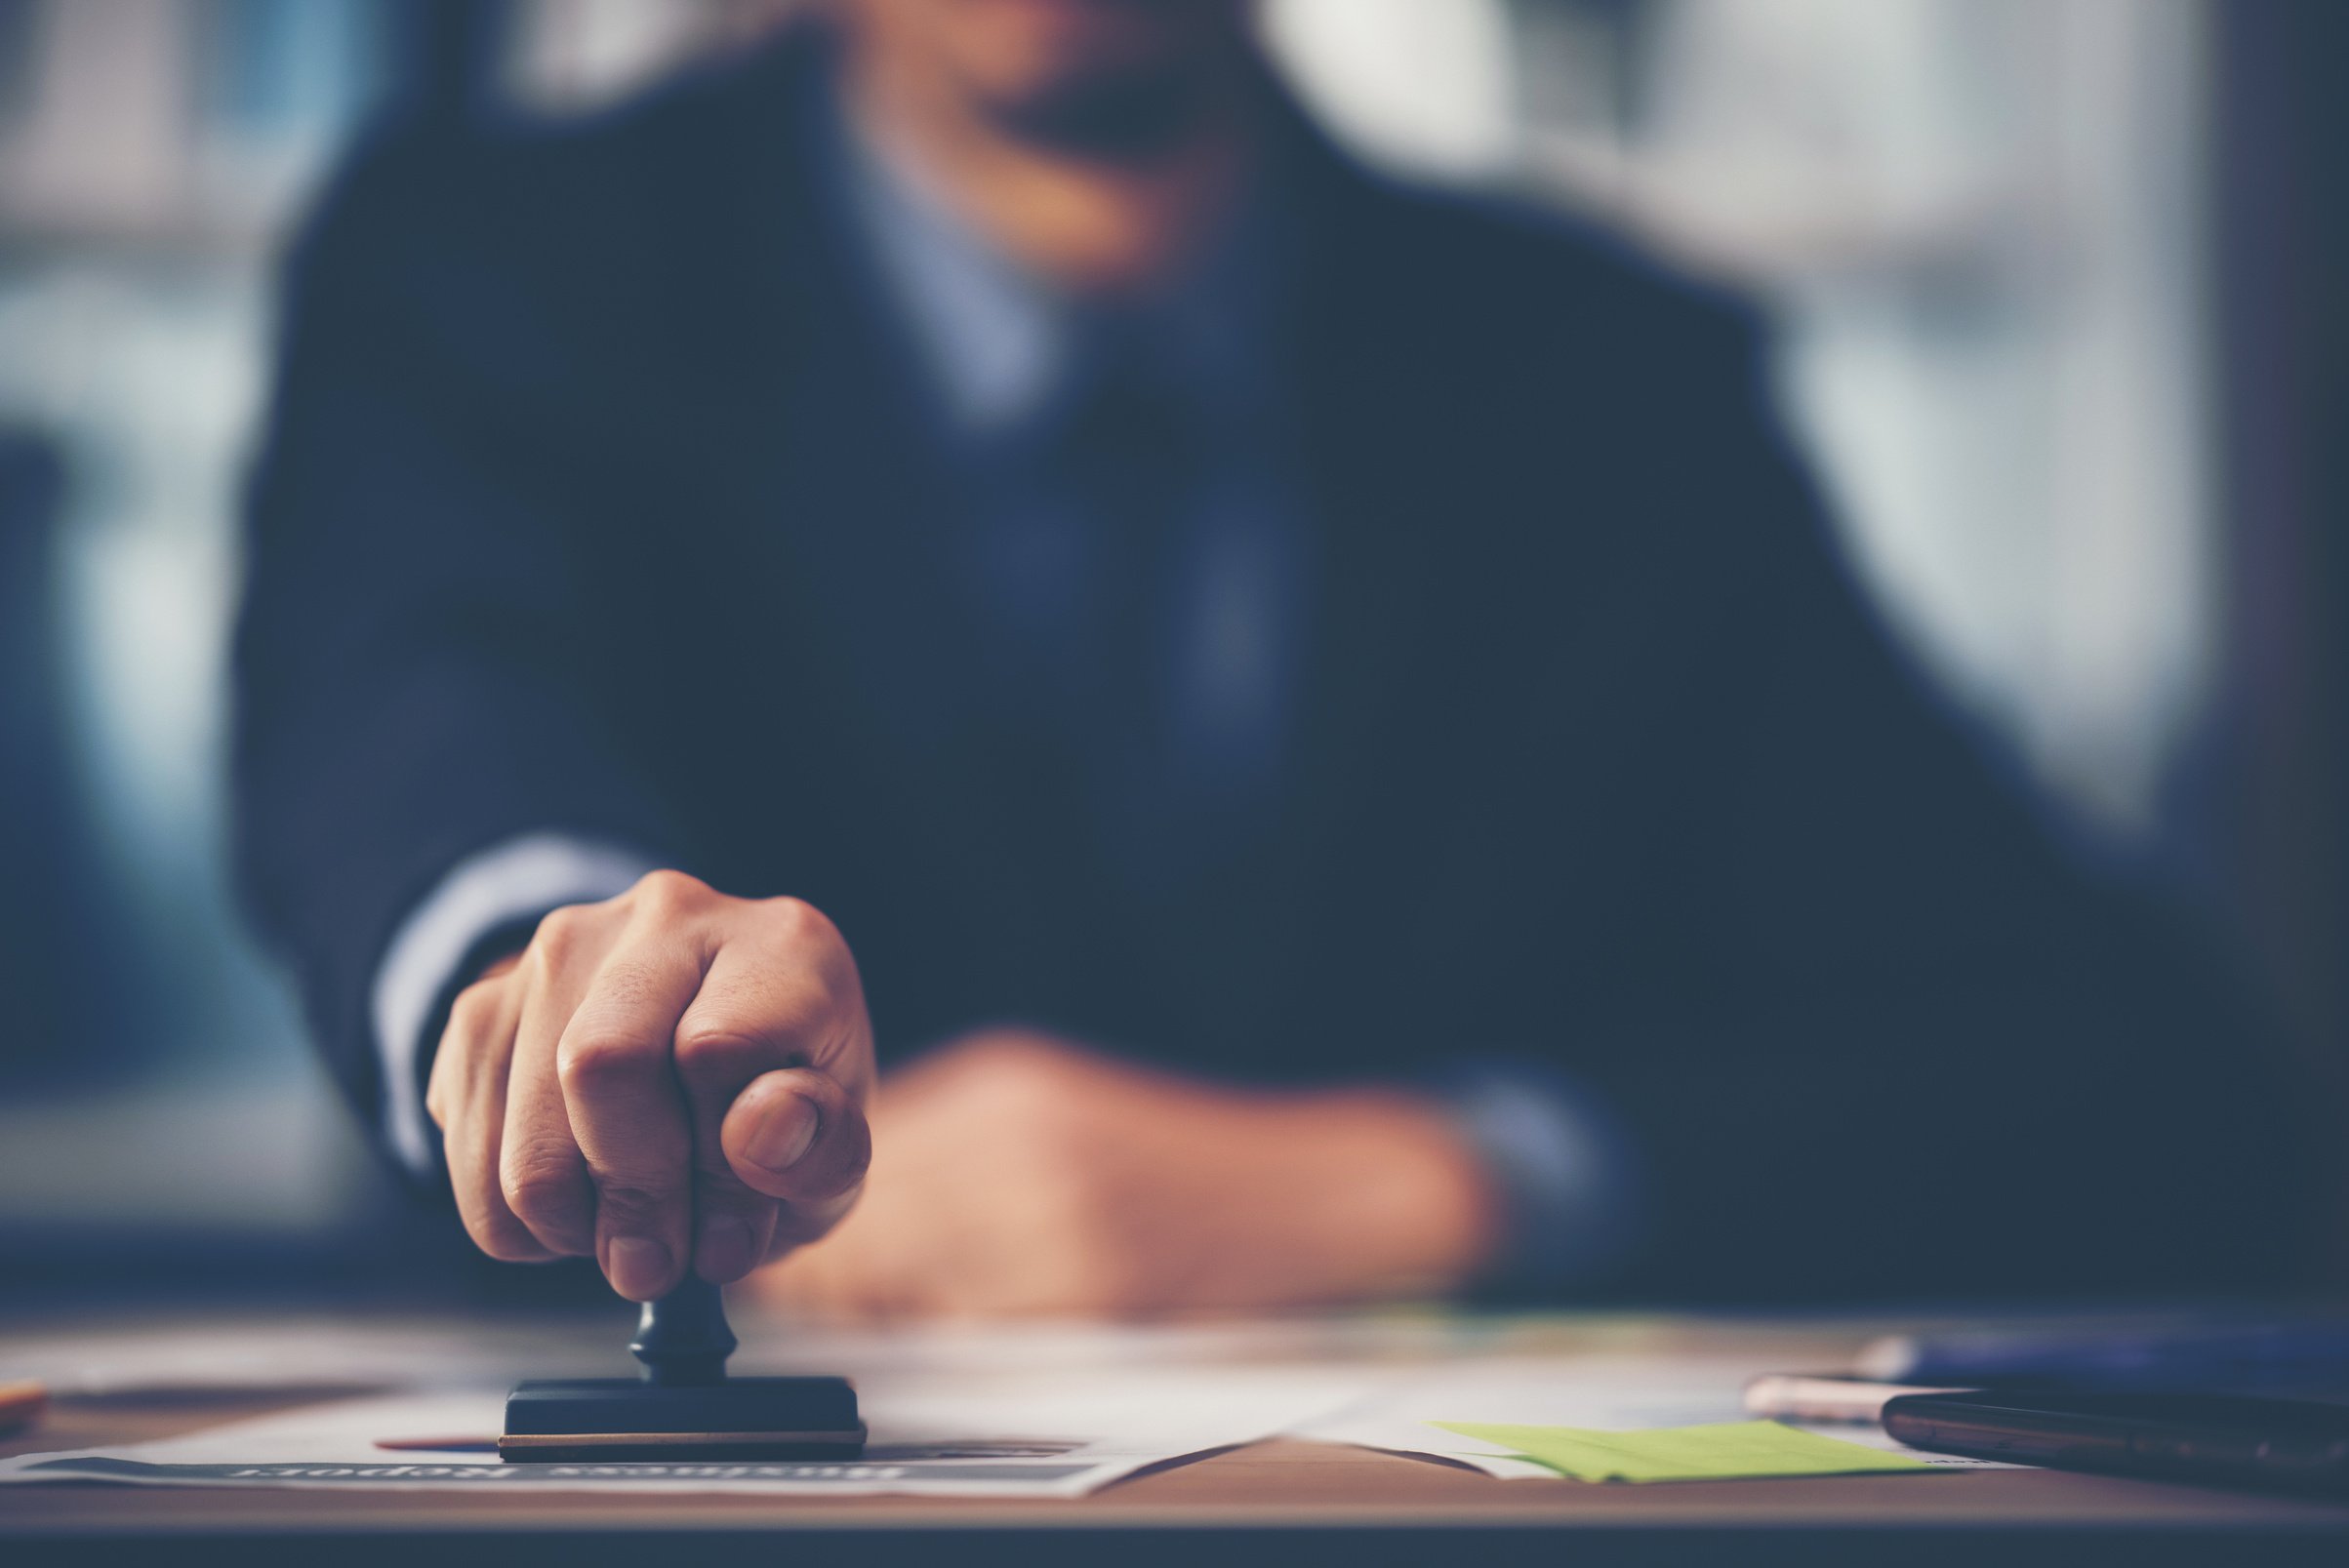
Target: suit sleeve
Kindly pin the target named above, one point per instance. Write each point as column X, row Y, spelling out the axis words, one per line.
column 1883, row 1035
column 417, row 634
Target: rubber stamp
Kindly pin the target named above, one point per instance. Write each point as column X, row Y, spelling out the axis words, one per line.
column 684, row 1407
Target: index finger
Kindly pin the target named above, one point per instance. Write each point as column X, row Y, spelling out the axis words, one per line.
column 627, row 1111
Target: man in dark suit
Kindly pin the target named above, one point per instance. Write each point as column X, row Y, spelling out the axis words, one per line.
column 1329, row 717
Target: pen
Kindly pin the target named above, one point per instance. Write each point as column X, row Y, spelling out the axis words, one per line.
column 1819, row 1396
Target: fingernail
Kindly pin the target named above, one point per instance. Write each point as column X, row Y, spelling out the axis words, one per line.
column 723, row 1255
column 638, row 1267
column 783, row 1136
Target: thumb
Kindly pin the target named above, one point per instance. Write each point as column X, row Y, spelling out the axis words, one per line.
column 799, row 1136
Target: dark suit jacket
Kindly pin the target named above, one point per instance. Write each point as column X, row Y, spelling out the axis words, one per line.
column 592, row 500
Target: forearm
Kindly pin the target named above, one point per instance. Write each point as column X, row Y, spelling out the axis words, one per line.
column 349, row 821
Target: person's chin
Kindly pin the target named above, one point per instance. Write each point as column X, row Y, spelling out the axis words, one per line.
column 1052, row 47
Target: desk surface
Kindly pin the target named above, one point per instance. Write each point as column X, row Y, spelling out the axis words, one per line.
column 1264, row 1502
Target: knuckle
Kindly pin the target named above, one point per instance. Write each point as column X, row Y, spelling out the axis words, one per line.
column 709, row 1047
column 801, row 923
column 498, row 1234
column 539, row 1183
column 542, row 1201
column 474, row 1010
column 798, row 932
column 559, row 936
column 589, row 1062
column 633, row 1205
column 669, row 892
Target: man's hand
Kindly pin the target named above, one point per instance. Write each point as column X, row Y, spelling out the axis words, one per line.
column 672, row 1078
column 1018, row 1175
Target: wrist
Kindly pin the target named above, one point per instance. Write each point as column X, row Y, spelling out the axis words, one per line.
column 1405, row 1196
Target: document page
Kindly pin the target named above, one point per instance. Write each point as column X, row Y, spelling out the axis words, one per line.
column 1026, row 1436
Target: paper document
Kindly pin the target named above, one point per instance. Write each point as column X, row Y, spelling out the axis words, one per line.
column 1619, row 1394
column 1027, row 1437
column 1721, row 1451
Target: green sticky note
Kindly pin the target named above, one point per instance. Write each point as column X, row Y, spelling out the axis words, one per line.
column 1726, row 1451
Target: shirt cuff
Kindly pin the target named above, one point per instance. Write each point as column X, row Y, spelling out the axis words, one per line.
column 511, row 882
column 1567, row 1181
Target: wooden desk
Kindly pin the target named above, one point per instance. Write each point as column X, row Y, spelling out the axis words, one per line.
column 1276, row 1501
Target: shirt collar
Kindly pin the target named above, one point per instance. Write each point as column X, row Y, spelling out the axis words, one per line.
column 993, row 340
column 1000, row 346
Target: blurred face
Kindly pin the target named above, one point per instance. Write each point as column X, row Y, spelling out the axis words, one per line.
column 1111, row 79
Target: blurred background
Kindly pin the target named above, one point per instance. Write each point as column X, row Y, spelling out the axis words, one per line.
column 2064, row 323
